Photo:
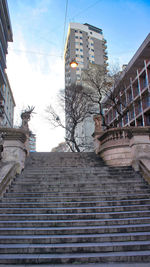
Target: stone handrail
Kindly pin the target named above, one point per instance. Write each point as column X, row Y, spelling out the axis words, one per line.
column 114, row 134
column 7, row 173
column 144, row 165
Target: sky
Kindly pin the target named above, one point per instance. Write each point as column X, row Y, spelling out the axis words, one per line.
column 35, row 63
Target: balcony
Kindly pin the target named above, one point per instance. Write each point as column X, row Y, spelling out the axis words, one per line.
column 2, row 56
column 125, row 119
column 136, row 90
column 146, row 102
column 104, row 41
column 143, row 82
column 138, row 108
column 131, row 114
column 2, row 37
column 104, row 46
column 106, row 57
column 129, row 97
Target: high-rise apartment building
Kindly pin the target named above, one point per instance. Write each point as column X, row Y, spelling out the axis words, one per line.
column 85, row 44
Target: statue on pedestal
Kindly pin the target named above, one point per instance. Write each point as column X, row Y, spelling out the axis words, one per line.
column 26, row 116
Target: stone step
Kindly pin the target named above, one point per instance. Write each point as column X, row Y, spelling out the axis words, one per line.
column 87, row 192
column 66, row 216
column 74, row 238
column 128, row 256
column 56, row 213
column 82, row 174
column 74, row 230
column 41, row 204
column 75, row 247
column 77, row 182
column 81, row 190
column 50, row 210
column 73, row 222
column 69, row 182
column 82, row 170
column 43, row 196
column 39, row 167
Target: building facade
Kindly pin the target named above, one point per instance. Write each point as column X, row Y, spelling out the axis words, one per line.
column 5, row 90
column 7, row 105
column 85, row 44
column 133, row 91
column 32, row 142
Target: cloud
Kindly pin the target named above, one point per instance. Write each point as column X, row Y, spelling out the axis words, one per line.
column 36, row 80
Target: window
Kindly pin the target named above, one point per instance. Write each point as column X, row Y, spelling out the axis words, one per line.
column 81, row 50
column 92, row 44
column 81, row 56
column 76, row 37
column 81, row 43
column 81, row 38
column 80, row 31
column 91, row 33
column 76, row 31
column 77, row 49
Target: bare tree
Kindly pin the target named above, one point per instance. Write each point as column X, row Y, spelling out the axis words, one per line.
column 97, row 83
column 76, row 108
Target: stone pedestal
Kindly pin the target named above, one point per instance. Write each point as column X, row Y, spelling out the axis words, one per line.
column 14, row 149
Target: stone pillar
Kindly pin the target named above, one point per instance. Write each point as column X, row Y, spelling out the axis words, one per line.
column 140, row 145
column 97, row 132
column 14, row 146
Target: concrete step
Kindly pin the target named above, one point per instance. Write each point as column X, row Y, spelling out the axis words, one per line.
column 76, row 258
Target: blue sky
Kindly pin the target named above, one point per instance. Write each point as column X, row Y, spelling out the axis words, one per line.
column 35, row 67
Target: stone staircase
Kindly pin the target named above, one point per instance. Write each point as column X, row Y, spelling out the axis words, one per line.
column 71, row 208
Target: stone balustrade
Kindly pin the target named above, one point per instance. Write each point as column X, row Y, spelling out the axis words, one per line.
column 123, row 146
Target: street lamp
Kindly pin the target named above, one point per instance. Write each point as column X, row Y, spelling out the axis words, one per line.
column 73, row 64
